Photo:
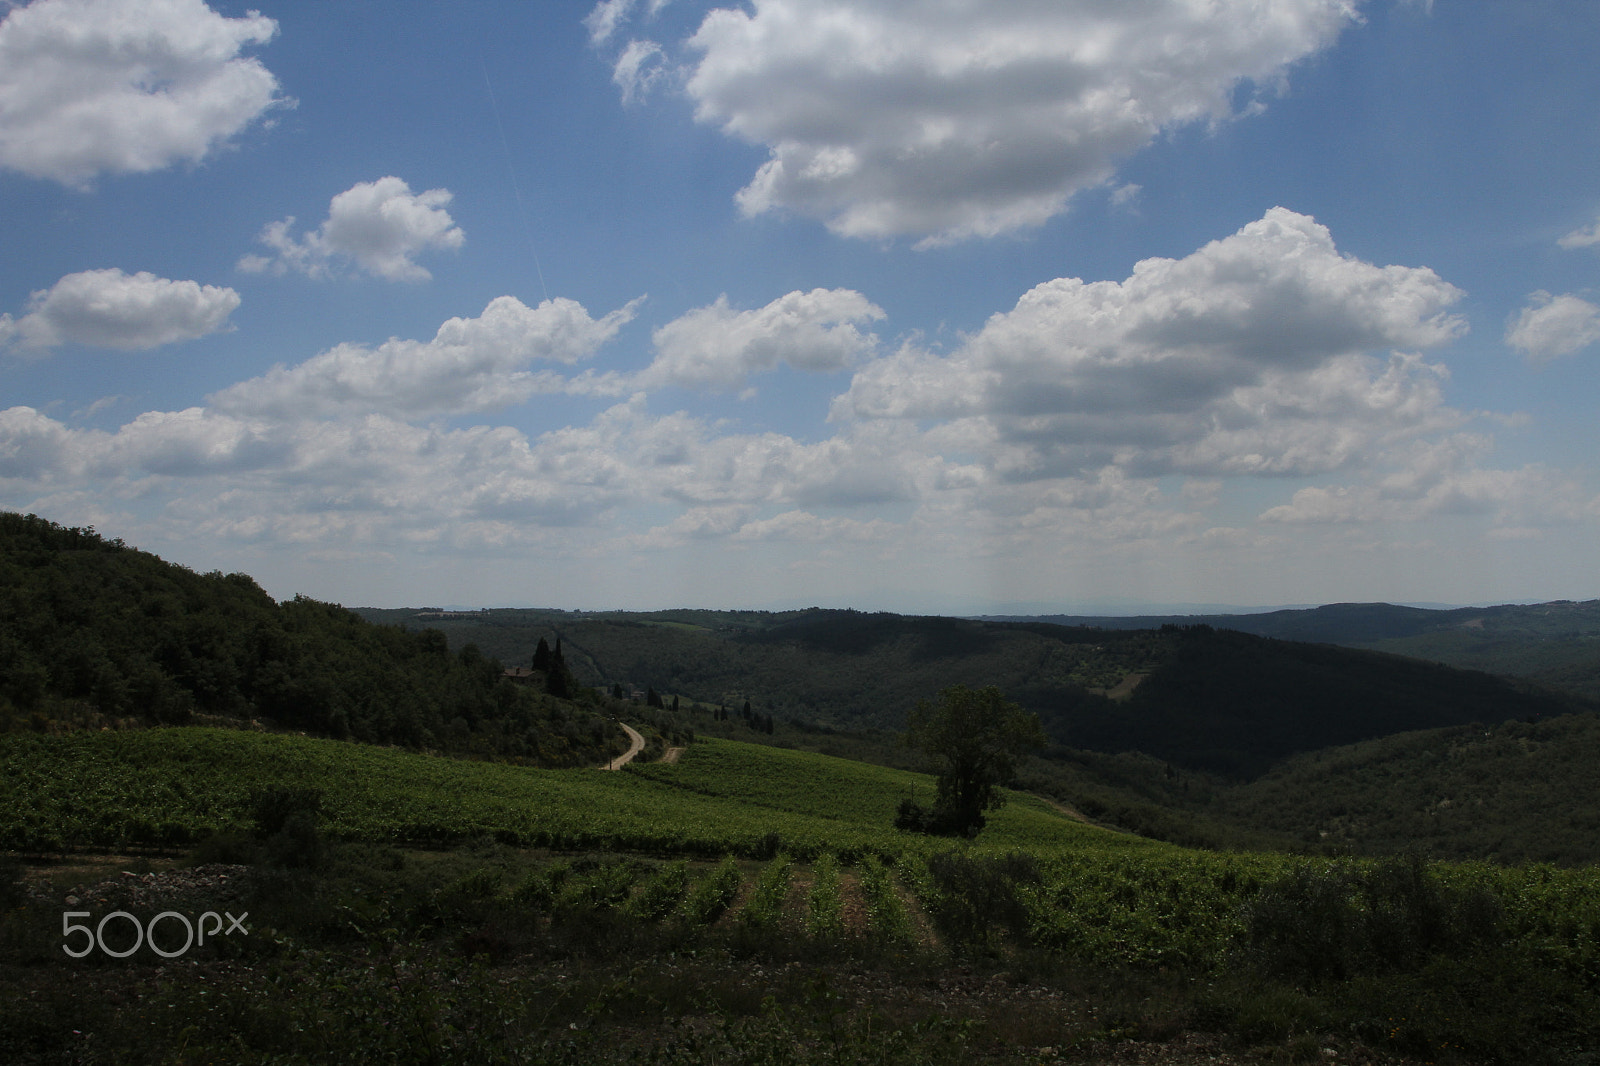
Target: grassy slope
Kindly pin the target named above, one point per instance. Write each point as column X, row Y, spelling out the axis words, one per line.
column 1086, row 896
column 174, row 786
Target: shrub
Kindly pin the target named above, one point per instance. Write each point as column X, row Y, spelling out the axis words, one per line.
column 943, row 821
column 825, row 907
column 1341, row 920
column 272, row 808
column 602, row 888
column 886, row 913
column 969, row 896
column 772, row 888
column 714, row 894
column 539, row 889
column 662, row 893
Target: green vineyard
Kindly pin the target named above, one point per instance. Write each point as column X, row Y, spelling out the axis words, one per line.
column 766, row 853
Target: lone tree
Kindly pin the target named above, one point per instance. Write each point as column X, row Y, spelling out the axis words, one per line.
column 977, row 738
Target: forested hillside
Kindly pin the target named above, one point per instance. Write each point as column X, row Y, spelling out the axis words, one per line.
column 1513, row 792
column 93, row 632
column 1194, row 696
column 1555, row 643
column 1236, row 704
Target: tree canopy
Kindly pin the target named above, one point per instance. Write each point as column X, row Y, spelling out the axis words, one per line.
column 976, row 738
column 95, row 633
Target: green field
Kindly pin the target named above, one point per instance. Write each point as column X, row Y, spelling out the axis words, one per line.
column 176, row 786
column 1099, row 894
column 742, row 856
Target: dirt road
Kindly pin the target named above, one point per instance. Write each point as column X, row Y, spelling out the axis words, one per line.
column 635, row 746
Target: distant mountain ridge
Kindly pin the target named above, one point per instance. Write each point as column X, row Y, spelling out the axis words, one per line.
column 1555, row 643
column 1350, row 623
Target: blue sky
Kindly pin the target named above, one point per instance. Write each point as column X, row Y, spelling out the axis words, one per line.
column 1037, row 305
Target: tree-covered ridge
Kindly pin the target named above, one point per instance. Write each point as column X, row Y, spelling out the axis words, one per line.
column 835, row 668
column 1555, row 643
column 1198, row 697
column 93, row 632
column 1512, row 792
column 1235, row 704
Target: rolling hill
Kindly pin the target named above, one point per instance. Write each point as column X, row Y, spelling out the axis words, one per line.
column 94, row 633
column 1199, row 697
column 1555, row 643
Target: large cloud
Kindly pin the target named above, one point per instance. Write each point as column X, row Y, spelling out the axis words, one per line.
column 1091, row 423
column 32, row 446
column 471, row 364
column 384, row 479
column 111, row 309
column 1553, row 326
column 956, row 120
column 377, row 225
column 717, row 347
column 1251, row 355
column 92, row 86
column 1442, row 478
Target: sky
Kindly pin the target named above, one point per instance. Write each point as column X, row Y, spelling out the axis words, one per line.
column 953, row 306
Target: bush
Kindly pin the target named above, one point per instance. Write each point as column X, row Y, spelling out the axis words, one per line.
column 1340, row 921
column 970, row 896
column 539, row 889
column 886, row 913
column 271, row 808
column 662, row 893
column 285, row 820
column 601, row 888
column 942, row 821
column 714, row 894
column 825, row 907
column 772, row 888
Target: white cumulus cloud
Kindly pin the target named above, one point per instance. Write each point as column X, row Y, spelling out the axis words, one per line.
column 380, row 226
column 1510, row 497
column 471, row 364
column 1252, row 355
column 1553, row 326
column 112, row 309
column 108, row 86
column 958, row 120
column 32, row 446
column 718, row 347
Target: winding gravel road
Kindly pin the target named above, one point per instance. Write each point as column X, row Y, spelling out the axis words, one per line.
column 634, row 748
